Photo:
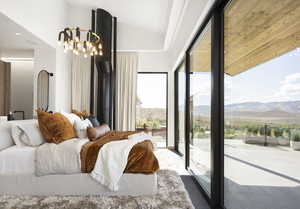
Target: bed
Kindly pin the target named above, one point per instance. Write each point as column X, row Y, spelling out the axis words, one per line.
column 18, row 177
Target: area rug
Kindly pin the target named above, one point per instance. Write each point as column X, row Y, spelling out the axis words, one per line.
column 171, row 195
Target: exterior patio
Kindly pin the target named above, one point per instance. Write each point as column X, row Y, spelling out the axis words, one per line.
column 260, row 177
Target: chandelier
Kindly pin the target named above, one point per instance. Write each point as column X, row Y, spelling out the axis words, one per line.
column 91, row 46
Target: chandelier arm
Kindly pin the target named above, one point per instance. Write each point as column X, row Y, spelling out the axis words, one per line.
column 91, row 45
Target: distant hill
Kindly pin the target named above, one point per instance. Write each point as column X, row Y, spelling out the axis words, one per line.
column 254, row 111
column 154, row 113
column 272, row 111
column 291, row 107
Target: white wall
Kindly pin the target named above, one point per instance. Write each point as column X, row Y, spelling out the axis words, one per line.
column 79, row 17
column 45, row 19
column 153, row 62
column 131, row 38
column 14, row 53
column 44, row 59
column 22, row 87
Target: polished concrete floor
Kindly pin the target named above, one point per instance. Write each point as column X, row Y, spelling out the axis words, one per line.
column 172, row 161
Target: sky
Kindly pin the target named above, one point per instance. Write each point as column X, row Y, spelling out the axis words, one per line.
column 152, row 90
column 274, row 81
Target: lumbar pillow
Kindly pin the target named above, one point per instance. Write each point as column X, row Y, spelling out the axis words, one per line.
column 81, row 126
column 5, row 136
column 55, row 127
column 97, row 132
column 71, row 117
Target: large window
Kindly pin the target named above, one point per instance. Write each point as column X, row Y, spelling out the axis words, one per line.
column 200, row 109
column 262, row 104
column 151, row 109
column 244, row 122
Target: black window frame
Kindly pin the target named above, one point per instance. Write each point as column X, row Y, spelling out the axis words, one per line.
column 216, row 15
column 176, row 108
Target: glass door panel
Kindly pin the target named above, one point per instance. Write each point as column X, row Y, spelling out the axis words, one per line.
column 200, row 109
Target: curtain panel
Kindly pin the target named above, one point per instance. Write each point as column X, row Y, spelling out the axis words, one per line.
column 81, row 78
column 126, row 80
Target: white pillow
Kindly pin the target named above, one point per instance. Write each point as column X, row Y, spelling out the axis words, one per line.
column 71, row 117
column 5, row 136
column 32, row 135
column 26, row 133
column 18, row 135
column 81, row 126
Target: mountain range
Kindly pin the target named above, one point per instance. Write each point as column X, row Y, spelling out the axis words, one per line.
column 258, row 110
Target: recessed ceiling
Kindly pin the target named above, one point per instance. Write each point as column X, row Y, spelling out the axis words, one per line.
column 13, row 36
column 152, row 15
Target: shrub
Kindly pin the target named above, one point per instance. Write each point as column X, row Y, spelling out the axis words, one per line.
column 262, row 131
column 295, row 135
column 255, row 131
column 278, row 132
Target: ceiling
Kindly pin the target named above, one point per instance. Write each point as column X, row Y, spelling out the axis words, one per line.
column 254, row 33
column 153, row 15
column 14, row 36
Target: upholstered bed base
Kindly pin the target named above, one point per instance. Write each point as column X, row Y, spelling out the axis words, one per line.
column 75, row 184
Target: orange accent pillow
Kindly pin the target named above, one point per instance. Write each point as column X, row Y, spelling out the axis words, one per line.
column 84, row 114
column 55, row 128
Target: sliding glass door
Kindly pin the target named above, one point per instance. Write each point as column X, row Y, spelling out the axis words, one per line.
column 242, row 85
column 200, row 109
column 151, row 106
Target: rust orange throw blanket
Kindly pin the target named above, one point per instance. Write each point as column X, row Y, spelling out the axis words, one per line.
column 141, row 158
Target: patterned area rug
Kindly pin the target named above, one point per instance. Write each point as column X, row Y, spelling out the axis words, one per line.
column 171, row 195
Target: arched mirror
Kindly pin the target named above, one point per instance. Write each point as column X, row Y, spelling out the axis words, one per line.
column 43, row 89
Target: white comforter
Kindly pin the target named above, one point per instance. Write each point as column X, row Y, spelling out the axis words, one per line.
column 63, row 158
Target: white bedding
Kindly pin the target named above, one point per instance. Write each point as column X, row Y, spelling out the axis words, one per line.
column 63, row 158
column 17, row 160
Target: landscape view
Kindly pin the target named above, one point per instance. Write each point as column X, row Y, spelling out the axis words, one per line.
column 251, row 118
column 242, row 119
column 152, row 114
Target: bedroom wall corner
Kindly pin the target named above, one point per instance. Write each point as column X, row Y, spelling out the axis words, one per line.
column 46, row 19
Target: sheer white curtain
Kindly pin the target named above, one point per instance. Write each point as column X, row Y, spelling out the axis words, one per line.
column 126, row 79
column 81, row 76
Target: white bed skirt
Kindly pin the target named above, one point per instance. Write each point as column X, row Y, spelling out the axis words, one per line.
column 75, row 184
